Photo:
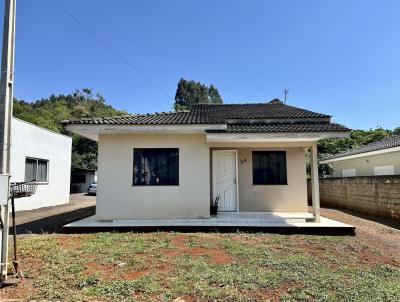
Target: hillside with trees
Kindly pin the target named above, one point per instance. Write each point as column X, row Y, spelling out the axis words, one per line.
column 48, row 113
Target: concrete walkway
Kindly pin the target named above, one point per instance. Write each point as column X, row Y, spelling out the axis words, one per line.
column 51, row 219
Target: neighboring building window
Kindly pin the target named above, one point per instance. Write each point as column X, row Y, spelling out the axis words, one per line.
column 269, row 168
column 349, row 172
column 36, row 169
column 384, row 170
column 156, row 167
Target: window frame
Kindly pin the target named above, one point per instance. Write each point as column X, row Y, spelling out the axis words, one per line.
column 155, row 185
column 285, row 183
column 37, row 164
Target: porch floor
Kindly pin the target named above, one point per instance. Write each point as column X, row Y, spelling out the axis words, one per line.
column 272, row 222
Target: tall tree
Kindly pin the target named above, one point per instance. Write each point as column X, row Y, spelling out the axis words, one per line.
column 191, row 92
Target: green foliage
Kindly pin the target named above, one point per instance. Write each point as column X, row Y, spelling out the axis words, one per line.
column 48, row 113
column 191, row 92
column 276, row 101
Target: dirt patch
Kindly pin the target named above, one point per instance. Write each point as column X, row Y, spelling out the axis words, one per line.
column 274, row 294
column 104, row 270
column 180, row 245
column 133, row 275
column 163, row 268
column 69, row 242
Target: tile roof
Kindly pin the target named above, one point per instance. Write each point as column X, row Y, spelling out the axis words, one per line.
column 282, row 127
column 390, row 142
column 206, row 114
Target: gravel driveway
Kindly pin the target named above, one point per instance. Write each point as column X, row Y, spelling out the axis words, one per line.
column 383, row 236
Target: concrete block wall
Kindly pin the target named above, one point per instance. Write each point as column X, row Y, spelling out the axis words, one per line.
column 373, row 195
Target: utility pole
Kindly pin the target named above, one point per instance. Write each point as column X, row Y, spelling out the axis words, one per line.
column 285, row 93
column 6, row 101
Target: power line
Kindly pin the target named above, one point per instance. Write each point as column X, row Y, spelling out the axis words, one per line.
column 111, row 49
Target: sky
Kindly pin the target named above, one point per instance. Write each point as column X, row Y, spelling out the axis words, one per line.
column 338, row 57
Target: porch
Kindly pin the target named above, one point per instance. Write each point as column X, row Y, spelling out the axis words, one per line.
column 288, row 223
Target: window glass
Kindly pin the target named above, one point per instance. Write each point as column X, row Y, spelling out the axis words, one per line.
column 36, row 170
column 30, row 169
column 269, row 168
column 156, row 167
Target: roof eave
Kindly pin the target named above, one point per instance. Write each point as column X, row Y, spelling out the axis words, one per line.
column 360, row 155
column 275, row 136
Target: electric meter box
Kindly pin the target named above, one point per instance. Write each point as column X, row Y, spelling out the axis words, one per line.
column 4, row 188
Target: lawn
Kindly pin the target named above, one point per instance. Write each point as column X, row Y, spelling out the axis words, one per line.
column 204, row 267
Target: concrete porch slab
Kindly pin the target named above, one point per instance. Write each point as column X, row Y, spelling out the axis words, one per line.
column 262, row 222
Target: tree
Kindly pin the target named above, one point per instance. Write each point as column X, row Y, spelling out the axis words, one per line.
column 190, row 92
column 48, row 113
column 396, row 131
column 276, row 101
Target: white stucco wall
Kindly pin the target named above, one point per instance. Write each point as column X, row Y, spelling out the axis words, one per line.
column 364, row 166
column 273, row 198
column 28, row 140
column 118, row 199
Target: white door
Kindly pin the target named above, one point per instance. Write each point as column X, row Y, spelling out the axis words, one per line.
column 224, row 179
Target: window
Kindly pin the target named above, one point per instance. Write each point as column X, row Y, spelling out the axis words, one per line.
column 384, row 170
column 349, row 172
column 36, row 169
column 156, row 167
column 269, row 168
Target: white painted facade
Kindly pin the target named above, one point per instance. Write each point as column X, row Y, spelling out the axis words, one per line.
column 381, row 162
column 31, row 141
column 118, row 199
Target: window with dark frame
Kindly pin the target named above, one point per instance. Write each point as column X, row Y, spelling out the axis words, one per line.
column 269, row 168
column 156, row 167
column 36, row 169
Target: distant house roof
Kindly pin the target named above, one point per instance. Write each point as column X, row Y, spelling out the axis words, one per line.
column 252, row 118
column 387, row 143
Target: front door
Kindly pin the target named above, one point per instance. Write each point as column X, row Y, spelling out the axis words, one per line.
column 224, row 179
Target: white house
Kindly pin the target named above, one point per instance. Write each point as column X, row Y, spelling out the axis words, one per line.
column 42, row 155
column 173, row 165
column 374, row 159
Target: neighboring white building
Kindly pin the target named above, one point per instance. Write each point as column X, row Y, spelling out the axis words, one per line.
column 44, row 155
column 250, row 157
column 81, row 179
column 375, row 159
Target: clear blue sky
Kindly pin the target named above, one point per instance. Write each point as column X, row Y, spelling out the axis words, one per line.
column 336, row 57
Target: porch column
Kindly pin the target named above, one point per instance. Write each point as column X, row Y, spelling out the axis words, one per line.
column 315, row 181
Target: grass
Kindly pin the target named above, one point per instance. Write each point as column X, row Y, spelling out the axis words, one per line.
column 203, row 267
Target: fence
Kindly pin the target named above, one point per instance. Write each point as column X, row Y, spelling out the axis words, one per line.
column 374, row 195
